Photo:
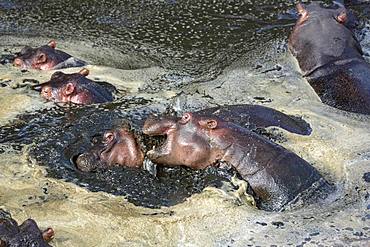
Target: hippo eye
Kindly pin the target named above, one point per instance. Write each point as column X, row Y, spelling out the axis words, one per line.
column 108, row 137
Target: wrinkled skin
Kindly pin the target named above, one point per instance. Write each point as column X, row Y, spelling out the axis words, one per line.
column 257, row 116
column 74, row 88
column 45, row 57
column 330, row 57
column 27, row 234
column 275, row 174
column 118, row 147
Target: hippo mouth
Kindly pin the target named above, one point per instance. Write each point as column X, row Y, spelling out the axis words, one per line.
column 86, row 162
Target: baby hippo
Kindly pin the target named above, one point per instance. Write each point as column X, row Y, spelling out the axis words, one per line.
column 27, row 234
column 74, row 88
column 45, row 57
column 275, row 174
column 118, row 147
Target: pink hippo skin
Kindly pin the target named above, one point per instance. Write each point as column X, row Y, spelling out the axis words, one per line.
column 118, row 148
column 74, row 88
column 275, row 174
column 45, row 58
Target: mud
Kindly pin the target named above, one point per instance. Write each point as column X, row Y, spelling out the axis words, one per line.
column 249, row 64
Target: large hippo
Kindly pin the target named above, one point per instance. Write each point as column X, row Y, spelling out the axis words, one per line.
column 45, row 57
column 123, row 149
column 27, row 234
column 118, row 146
column 75, row 88
column 276, row 175
column 330, row 57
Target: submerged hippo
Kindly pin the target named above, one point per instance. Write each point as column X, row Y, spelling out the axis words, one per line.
column 27, row 234
column 275, row 174
column 330, row 57
column 118, row 147
column 75, row 88
column 45, row 57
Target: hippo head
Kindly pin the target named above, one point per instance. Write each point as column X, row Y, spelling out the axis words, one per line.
column 73, row 88
column 322, row 36
column 41, row 58
column 117, row 147
column 27, row 234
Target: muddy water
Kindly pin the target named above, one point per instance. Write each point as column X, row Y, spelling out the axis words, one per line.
column 217, row 59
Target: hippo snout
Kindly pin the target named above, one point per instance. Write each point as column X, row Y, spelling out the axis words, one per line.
column 85, row 162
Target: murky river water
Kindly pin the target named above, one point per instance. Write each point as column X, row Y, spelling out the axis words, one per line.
column 187, row 55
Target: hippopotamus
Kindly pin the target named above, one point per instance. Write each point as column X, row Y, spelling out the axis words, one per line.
column 275, row 174
column 123, row 148
column 330, row 57
column 118, row 146
column 75, row 88
column 27, row 234
column 45, row 57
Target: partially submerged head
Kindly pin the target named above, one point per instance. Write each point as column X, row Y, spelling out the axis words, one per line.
column 45, row 57
column 117, row 147
column 27, row 234
column 74, row 88
column 322, row 36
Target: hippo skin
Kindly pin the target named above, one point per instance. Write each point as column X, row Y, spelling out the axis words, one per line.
column 27, row 234
column 330, row 57
column 118, row 147
column 276, row 175
column 45, row 57
column 75, row 88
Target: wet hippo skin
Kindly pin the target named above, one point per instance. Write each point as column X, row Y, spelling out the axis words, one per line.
column 118, row 147
column 275, row 174
column 75, row 88
column 258, row 116
column 330, row 57
column 27, row 234
column 45, row 57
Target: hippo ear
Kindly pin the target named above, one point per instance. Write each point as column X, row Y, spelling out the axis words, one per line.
column 84, row 72
column 342, row 17
column 301, row 9
column 52, row 44
column 211, row 124
column 69, row 89
column 185, row 118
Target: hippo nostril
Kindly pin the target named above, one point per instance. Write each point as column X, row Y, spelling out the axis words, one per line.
column 74, row 158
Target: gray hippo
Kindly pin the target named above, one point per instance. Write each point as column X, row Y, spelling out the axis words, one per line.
column 330, row 57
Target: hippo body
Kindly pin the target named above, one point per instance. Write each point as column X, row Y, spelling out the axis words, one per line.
column 27, row 234
column 75, row 88
column 276, row 175
column 258, row 116
column 45, row 57
column 330, row 57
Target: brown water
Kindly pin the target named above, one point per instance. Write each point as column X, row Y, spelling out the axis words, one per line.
column 339, row 146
